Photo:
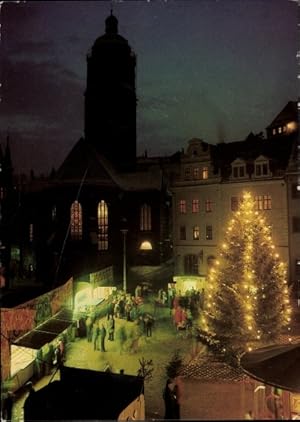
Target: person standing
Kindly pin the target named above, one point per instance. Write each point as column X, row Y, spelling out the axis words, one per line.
column 176, row 393
column 102, row 338
column 8, row 406
column 170, row 401
column 96, row 332
column 88, row 324
column 111, row 328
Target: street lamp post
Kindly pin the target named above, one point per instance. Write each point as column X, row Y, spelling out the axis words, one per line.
column 124, row 232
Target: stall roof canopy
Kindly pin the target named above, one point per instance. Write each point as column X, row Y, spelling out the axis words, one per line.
column 277, row 365
column 46, row 332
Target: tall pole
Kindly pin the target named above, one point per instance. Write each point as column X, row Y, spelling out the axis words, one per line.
column 124, row 232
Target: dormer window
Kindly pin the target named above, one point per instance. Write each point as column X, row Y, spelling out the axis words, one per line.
column 187, row 173
column 261, row 167
column 238, row 169
column 196, row 173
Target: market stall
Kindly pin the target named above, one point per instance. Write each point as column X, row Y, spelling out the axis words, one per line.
column 31, row 353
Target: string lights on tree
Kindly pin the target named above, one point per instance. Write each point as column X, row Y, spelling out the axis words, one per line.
column 248, row 295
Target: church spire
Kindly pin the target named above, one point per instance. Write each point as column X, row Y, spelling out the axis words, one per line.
column 111, row 24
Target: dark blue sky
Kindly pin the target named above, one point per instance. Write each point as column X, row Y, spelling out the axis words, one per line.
column 214, row 69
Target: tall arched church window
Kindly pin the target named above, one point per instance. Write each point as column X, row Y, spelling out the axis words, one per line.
column 76, row 221
column 145, row 218
column 102, row 226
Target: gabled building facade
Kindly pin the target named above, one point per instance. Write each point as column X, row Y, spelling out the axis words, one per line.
column 209, row 187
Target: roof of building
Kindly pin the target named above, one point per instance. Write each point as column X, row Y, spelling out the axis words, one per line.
column 209, row 370
column 288, row 113
column 277, row 150
column 85, row 164
column 277, row 365
column 46, row 332
column 83, row 394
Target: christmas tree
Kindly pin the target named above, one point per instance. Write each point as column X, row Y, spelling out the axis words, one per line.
column 248, row 295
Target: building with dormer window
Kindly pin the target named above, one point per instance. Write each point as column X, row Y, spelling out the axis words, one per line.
column 266, row 167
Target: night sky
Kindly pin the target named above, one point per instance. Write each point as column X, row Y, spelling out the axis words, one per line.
column 214, row 69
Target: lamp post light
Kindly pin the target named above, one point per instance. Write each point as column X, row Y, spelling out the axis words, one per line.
column 124, row 232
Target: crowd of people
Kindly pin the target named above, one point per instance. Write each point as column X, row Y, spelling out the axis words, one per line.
column 121, row 306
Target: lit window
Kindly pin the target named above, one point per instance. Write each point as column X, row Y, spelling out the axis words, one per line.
column 182, row 206
column 291, row 127
column 2, row 192
column 259, row 202
column 182, row 233
column 205, row 173
column 279, row 129
column 267, row 202
column 195, row 205
column 145, row 218
column 146, row 246
column 196, row 173
column 208, row 205
column 76, row 221
column 263, row 202
column 102, row 226
column 196, row 233
column 191, row 264
column 187, row 173
column 209, row 232
column 274, row 131
column 31, row 232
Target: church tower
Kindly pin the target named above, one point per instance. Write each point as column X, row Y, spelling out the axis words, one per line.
column 110, row 98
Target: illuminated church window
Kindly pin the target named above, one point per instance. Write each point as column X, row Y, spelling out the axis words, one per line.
column 102, row 226
column 145, row 218
column 76, row 221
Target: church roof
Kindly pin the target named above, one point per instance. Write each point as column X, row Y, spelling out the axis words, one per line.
column 86, row 164
column 111, row 35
